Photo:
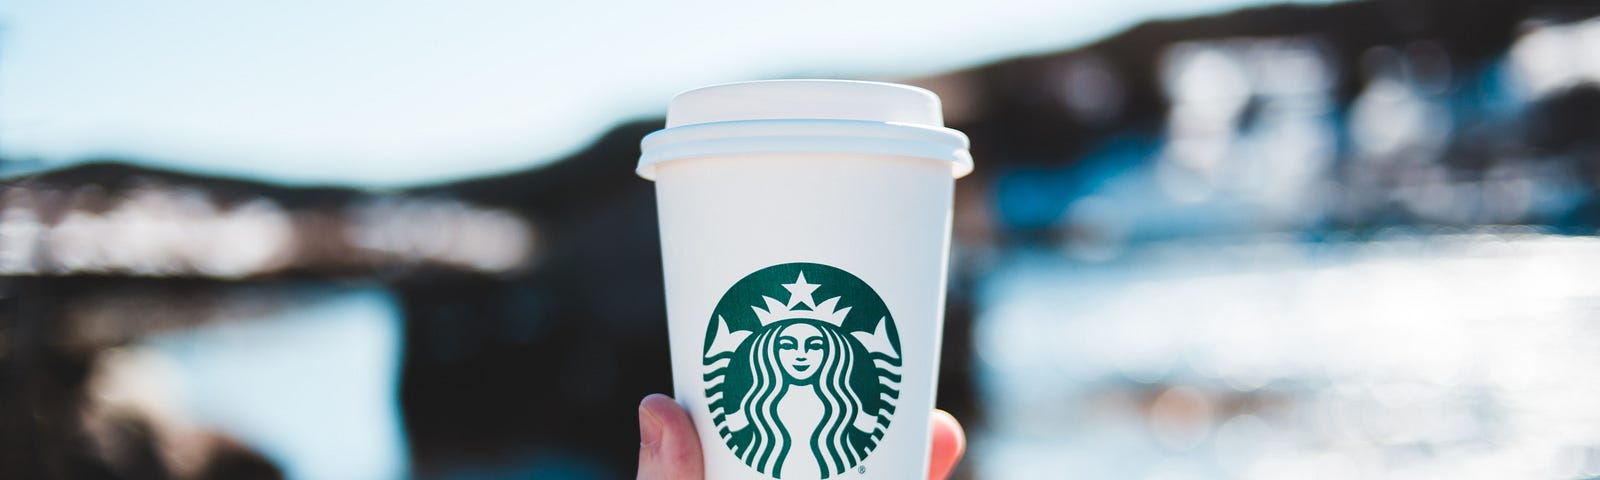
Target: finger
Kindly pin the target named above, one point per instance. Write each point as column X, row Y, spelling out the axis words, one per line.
column 668, row 447
column 949, row 443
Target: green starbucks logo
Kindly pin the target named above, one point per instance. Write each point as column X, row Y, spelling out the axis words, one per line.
column 799, row 387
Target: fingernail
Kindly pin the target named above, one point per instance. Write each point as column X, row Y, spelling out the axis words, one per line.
column 649, row 427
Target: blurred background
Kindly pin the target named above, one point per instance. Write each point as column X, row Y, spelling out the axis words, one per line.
column 1207, row 239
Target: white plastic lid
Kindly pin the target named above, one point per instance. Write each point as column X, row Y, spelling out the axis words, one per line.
column 805, row 116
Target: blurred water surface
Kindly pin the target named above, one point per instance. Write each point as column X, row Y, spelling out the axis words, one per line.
column 1408, row 355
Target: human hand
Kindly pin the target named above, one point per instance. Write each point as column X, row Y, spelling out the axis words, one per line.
column 670, row 450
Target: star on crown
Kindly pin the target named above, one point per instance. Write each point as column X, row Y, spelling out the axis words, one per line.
column 801, row 305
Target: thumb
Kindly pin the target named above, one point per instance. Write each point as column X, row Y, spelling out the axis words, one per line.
column 668, row 446
column 949, row 443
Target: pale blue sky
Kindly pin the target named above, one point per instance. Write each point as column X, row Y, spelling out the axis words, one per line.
column 404, row 91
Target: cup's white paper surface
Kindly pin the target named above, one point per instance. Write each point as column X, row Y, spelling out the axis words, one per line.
column 805, row 301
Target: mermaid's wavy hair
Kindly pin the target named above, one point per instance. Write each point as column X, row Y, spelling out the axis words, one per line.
column 831, row 444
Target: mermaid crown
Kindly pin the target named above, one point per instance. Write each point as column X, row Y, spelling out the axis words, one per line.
column 802, row 306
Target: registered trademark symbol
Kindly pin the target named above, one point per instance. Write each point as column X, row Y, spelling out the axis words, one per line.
column 861, row 469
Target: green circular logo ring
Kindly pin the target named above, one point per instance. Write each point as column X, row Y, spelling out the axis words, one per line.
column 802, row 364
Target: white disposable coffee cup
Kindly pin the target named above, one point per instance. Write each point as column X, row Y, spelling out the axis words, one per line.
column 805, row 231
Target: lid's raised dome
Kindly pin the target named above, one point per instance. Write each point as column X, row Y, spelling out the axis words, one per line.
column 806, row 99
column 805, row 116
